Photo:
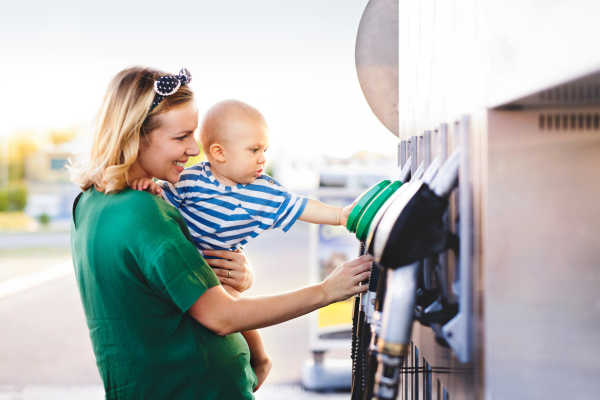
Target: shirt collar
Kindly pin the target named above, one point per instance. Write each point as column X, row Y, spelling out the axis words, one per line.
column 218, row 184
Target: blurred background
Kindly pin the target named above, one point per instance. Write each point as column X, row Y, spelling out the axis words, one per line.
column 293, row 60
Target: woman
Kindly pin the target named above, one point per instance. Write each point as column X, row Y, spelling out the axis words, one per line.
column 161, row 325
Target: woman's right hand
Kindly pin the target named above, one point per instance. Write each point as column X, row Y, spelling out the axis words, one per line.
column 343, row 282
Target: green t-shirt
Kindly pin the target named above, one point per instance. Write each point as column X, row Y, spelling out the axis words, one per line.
column 138, row 273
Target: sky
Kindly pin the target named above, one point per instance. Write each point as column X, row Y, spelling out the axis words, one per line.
column 293, row 60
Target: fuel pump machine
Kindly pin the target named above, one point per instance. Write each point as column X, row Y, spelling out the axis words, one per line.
column 486, row 241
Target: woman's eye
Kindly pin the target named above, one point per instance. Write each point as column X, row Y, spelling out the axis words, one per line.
column 254, row 151
column 181, row 138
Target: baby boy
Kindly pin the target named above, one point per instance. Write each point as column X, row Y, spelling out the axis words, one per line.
column 228, row 200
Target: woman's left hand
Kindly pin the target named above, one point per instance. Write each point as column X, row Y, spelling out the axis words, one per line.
column 232, row 268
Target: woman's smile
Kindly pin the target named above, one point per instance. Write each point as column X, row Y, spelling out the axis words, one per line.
column 179, row 165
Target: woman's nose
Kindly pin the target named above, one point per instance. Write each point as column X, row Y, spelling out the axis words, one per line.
column 193, row 149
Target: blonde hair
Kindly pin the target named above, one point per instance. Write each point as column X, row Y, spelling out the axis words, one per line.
column 218, row 121
column 122, row 121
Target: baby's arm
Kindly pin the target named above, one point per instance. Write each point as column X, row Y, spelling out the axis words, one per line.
column 318, row 213
column 259, row 359
column 146, row 184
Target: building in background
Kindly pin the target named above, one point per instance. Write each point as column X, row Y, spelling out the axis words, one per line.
column 311, row 172
column 49, row 189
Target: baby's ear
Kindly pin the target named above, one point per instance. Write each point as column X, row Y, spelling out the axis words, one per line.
column 217, row 151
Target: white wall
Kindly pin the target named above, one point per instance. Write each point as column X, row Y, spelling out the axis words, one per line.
column 461, row 56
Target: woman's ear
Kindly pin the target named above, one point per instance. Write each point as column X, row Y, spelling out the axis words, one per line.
column 217, row 151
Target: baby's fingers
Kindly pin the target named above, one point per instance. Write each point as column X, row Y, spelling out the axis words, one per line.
column 135, row 184
column 155, row 189
column 348, row 209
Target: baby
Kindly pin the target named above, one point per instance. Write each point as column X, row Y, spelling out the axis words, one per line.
column 228, row 200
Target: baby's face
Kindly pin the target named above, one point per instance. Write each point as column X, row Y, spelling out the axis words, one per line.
column 245, row 151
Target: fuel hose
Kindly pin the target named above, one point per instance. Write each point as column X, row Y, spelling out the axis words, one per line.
column 358, row 354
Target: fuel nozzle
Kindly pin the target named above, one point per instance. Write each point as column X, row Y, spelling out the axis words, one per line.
column 394, row 336
column 412, row 227
column 409, row 230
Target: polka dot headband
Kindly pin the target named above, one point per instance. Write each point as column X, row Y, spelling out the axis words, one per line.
column 168, row 85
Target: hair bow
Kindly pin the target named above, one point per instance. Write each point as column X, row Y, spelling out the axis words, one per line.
column 168, row 85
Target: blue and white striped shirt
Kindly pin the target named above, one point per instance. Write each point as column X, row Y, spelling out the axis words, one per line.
column 226, row 217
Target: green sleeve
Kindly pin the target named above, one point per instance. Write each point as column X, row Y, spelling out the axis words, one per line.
column 179, row 273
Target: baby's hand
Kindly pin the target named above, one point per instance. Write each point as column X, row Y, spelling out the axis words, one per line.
column 346, row 213
column 146, row 184
column 261, row 369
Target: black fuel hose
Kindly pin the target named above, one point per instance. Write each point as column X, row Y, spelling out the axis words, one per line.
column 381, row 287
column 358, row 382
column 374, row 278
column 378, row 281
column 355, row 310
column 358, row 317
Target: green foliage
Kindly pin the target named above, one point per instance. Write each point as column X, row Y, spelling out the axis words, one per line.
column 269, row 170
column 4, row 200
column 21, row 144
column 17, row 198
column 44, row 219
column 13, row 199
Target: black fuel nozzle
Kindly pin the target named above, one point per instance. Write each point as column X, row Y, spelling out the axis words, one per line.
column 412, row 227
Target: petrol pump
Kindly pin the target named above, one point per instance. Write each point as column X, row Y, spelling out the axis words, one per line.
column 486, row 248
column 406, row 234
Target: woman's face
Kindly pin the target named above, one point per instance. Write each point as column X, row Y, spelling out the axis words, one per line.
column 167, row 149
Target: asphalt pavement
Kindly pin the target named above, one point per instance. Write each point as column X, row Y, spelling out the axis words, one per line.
column 24, row 240
column 46, row 353
column 96, row 392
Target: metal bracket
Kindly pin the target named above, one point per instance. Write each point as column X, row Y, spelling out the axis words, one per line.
column 402, row 157
column 414, row 156
column 458, row 332
column 426, row 148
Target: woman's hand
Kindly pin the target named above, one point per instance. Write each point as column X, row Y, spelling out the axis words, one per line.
column 261, row 369
column 232, row 268
column 146, row 184
column 343, row 282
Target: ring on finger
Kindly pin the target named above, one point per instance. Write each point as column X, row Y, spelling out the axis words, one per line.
column 229, row 273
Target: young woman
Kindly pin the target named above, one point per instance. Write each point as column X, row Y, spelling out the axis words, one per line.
column 161, row 325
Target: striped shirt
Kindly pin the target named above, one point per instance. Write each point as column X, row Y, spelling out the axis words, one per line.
column 226, row 217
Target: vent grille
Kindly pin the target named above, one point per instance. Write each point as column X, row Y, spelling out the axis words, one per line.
column 572, row 93
column 569, row 122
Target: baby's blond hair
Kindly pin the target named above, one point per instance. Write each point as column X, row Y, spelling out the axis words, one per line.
column 220, row 119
